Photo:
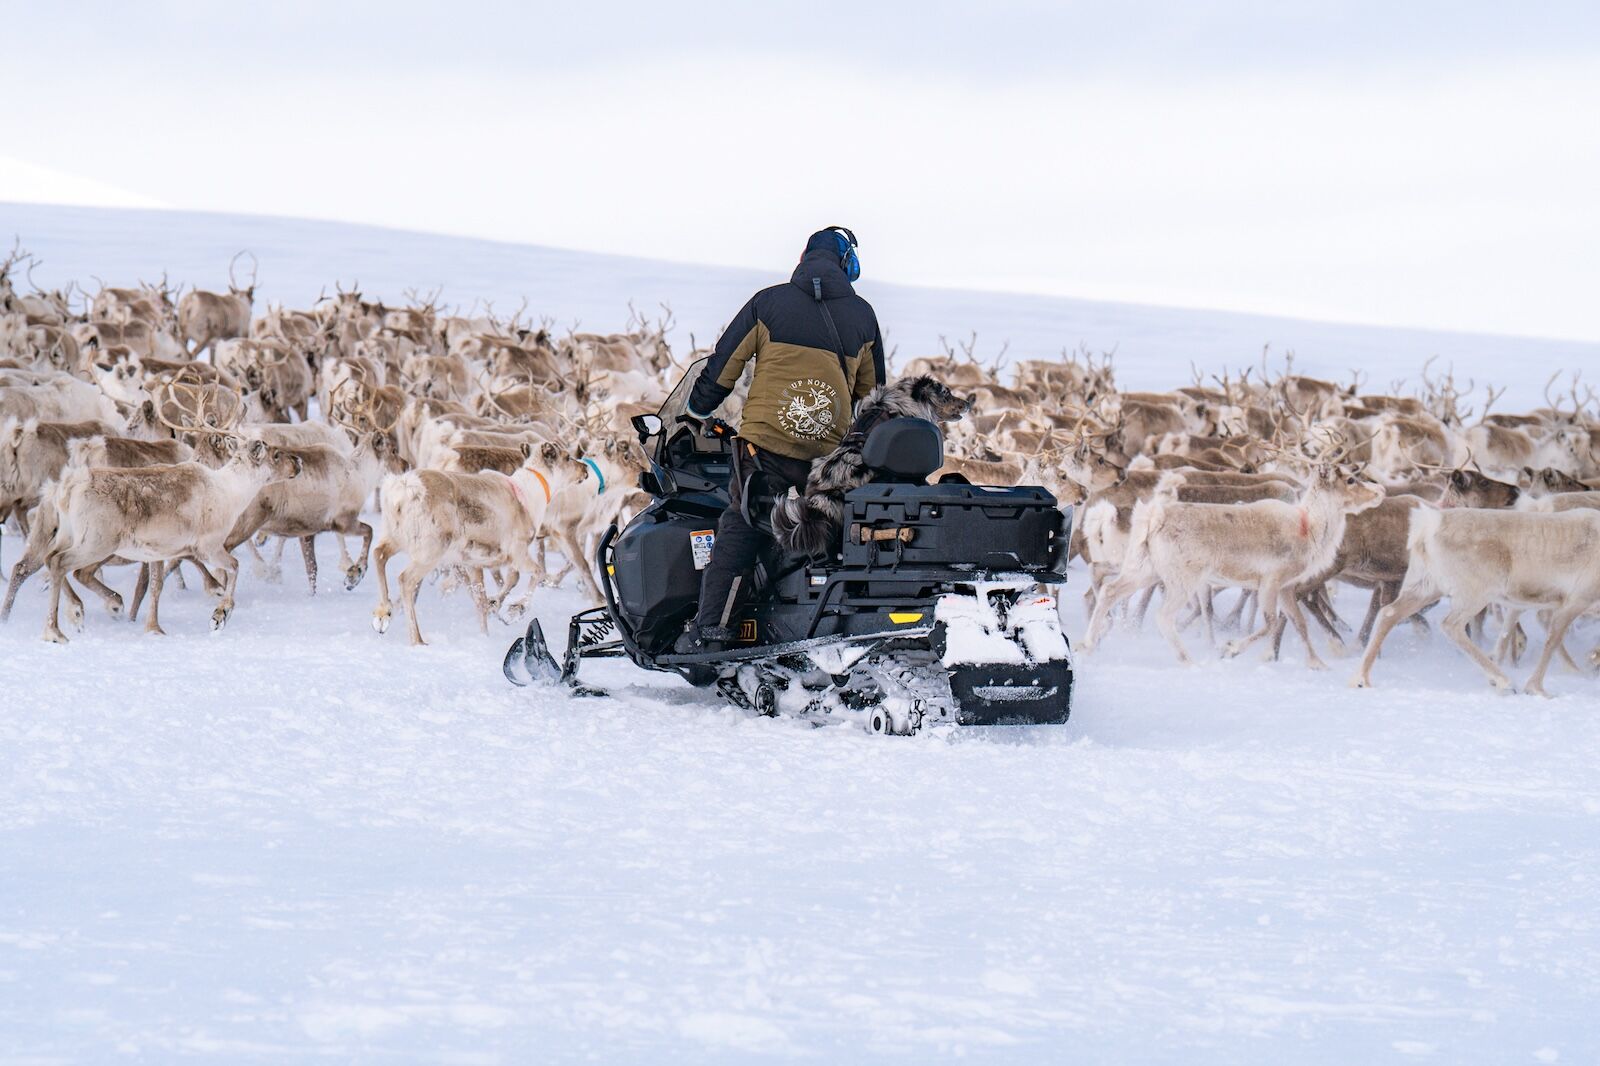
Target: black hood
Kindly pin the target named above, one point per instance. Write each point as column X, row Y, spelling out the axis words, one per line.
column 822, row 264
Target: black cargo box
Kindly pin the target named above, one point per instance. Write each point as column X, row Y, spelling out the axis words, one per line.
column 964, row 526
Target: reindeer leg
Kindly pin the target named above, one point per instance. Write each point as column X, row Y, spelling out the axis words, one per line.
column 1505, row 646
column 276, row 569
column 74, row 605
column 410, row 581
column 511, row 610
column 1476, row 626
column 308, row 549
column 1267, row 595
column 230, row 582
column 1143, row 607
column 533, row 562
column 140, row 587
column 1376, row 601
column 52, row 619
column 380, row 562
column 1119, row 589
column 1519, row 642
column 207, row 578
column 24, row 568
column 345, row 562
column 1567, row 660
column 571, row 549
column 1559, row 623
column 480, row 597
column 1192, row 610
column 520, row 605
column 356, row 571
column 1291, row 607
column 271, row 572
column 1172, row 602
column 89, row 576
column 1456, row 626
column 561, row 575
column 157, row 578
column 1320, row 608
column 1236, row 617
column 1406, row 604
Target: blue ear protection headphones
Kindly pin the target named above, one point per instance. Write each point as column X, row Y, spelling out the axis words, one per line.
column 847, row 252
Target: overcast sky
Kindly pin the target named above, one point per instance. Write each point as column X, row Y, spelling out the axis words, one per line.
column 1430, row 164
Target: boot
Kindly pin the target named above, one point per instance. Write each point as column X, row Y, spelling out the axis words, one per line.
column 699, row 640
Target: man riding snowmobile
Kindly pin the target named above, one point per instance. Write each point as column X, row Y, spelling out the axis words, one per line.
column 817, row 350
column 904, row 605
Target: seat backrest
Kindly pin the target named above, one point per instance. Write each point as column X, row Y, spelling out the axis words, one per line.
column 904, row 449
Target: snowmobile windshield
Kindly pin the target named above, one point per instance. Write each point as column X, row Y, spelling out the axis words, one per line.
column 679, row 447
column 677, row 405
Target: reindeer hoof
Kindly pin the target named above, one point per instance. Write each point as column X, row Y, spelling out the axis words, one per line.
column 55, row 636
column 219, row 618
column 1503, row 684
column 114, row 607
column 1316, row 664
column 1232, row 649
column 155, row 631
column 380, row 621
column 353, row 576
column 1360, row 682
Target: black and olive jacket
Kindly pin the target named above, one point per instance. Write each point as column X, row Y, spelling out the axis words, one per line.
column 803, row 386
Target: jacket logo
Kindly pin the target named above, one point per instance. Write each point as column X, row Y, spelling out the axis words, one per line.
column 808, row 409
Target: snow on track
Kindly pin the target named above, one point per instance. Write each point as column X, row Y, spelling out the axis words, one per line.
column 297, row 838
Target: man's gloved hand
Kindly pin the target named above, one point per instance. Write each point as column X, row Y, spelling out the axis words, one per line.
column 716, row 429
column 710, row 426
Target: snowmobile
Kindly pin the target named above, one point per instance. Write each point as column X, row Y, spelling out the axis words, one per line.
column 938, row 606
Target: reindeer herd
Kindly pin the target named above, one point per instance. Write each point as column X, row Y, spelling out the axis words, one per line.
column 1283, row 487
column 151, row 430
column 161, row 431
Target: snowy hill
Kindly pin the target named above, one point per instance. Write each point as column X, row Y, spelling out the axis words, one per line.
column 297, row 840
column 1154, row 345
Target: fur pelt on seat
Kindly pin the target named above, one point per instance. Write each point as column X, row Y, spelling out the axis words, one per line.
column 810, row 523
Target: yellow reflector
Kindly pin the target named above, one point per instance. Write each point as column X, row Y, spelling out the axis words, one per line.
column 611, row 570
column 900, row 618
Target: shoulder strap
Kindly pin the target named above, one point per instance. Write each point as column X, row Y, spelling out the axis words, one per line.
column 833, row 330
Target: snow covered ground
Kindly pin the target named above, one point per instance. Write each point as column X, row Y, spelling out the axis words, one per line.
column 297, row 840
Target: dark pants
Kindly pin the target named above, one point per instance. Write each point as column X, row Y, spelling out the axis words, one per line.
column 739, row 544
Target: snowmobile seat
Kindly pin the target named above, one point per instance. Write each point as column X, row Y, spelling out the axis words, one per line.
column 904, row 450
